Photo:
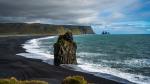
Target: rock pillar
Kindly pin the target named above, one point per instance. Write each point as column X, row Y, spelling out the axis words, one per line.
column 65, row 50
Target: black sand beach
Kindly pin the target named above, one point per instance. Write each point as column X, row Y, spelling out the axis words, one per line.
column 22, row 68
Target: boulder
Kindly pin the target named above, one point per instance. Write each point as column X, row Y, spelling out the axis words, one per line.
column 65, row 50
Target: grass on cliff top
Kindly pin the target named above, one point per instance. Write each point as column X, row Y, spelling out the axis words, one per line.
column 74, row 80
column 15, row 81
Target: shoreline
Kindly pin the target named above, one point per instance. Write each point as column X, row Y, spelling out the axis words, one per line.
column 27, row 68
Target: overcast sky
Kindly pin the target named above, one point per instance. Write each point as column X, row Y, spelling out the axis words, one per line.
column 79, row 12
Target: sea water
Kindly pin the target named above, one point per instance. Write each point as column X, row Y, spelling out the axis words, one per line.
column 123, row 56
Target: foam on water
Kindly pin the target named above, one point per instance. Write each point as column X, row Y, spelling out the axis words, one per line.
column 83, row 54
column 139, row 79
column 138, row 62
column 34, row 51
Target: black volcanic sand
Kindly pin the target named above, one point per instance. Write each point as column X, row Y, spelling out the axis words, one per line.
column 12, row 65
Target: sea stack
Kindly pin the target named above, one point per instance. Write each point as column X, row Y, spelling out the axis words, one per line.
column 65, row 50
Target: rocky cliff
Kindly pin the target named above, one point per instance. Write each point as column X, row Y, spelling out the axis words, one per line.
column 65, row 50
column 47, row 29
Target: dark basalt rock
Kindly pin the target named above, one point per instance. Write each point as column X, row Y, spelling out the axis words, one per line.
column 65, row 50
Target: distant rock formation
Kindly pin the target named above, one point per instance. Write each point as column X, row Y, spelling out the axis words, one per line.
column 105, row 32
column 65, row 50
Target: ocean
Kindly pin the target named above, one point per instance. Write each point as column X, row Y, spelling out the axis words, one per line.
column 108, row 56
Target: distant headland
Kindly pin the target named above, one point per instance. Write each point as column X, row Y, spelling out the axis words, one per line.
column 42, row 29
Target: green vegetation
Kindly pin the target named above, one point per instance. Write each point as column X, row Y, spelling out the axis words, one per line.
column 15, row 81
column 67, row 80
column 42, row 29
column 74, row 80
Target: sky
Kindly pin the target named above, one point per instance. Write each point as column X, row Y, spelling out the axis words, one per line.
column 115, row 16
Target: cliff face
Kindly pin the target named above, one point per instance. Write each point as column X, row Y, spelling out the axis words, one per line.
column 23, row 28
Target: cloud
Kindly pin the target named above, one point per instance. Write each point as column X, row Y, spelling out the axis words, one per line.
column 65, row 11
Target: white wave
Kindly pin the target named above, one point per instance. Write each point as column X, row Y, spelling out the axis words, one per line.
column 138, row 62
column 34, row 50
column 132, row 62
column 139, row 79
column 83, row 54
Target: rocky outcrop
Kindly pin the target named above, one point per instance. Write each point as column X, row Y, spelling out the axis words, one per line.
column 65, row 50
column 105, row 32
